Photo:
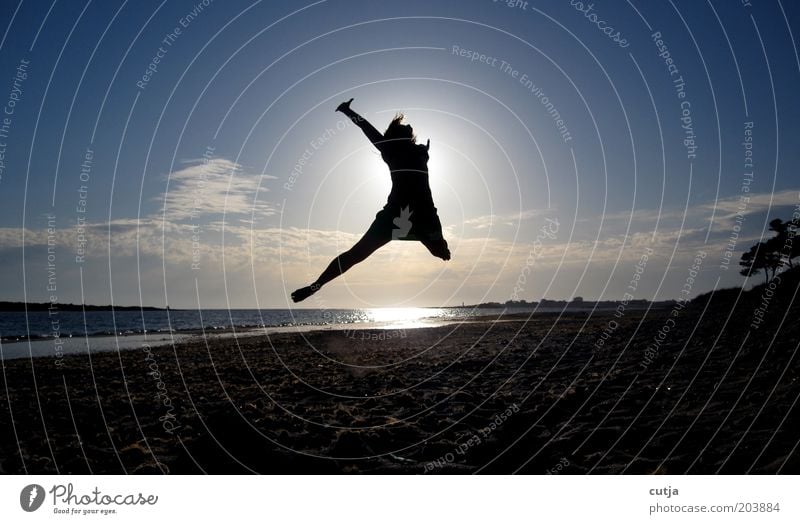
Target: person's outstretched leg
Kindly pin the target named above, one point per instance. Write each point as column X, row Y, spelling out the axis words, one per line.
column 368, row 244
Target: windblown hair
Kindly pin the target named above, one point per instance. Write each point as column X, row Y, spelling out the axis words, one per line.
column 398, row 131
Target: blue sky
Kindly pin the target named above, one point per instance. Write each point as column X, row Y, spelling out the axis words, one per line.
column 190, row 198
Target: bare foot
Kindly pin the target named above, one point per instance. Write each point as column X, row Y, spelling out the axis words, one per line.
column 441, row 251
column 304, row 292
column 438, row 248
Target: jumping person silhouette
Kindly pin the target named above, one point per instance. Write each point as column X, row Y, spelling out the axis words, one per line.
column 409, row 206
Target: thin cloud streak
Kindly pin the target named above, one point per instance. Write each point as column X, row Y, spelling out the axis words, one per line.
column 213, row 187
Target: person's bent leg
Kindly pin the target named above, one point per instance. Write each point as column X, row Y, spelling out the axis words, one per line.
column 368, row 244
column 432, row 237
column 437, row 246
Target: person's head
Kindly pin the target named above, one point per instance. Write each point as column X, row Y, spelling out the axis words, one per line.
column 398, row 131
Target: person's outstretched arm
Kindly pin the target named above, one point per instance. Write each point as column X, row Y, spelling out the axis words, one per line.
column 373, row 134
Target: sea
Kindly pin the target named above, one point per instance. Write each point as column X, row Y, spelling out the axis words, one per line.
column 39, row 333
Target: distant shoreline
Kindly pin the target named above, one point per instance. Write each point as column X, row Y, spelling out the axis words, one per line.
column 45, row 306
column 569, row 304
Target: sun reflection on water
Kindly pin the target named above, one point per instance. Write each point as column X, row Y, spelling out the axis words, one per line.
column 403, row 317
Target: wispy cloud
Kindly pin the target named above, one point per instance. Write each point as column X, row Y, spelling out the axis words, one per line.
column 724, row 210
column 511, row 219
column 267, row 262
column 213, row 187
column 727, row 208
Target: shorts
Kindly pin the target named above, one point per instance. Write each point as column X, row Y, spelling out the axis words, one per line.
column 421, row 225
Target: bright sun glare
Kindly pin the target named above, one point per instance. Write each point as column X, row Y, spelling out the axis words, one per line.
column 402, row 316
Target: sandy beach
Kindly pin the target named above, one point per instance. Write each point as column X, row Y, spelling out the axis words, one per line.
column 569, row 394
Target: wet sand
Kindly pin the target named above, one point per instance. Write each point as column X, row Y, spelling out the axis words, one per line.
column 529, row 396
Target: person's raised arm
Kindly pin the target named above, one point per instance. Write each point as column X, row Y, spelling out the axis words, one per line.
column 373, row 134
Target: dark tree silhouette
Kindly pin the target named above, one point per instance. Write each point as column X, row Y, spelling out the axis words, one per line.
column 754, row 260
column 769, row 256
column 782, row 244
